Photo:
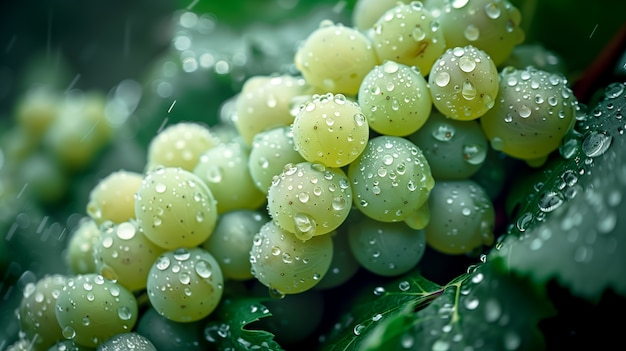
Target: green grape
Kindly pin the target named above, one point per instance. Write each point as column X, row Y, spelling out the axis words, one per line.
column 265, row 102
column 36, row 311
column 126, row 342
column 124, row 254
column 463, row 83
column 224, row 169
column 331, row 130
column 533, row 112
column 454, row 149
column 308, row 199
column 490, row 25
column 286, row 321
column 343, row 265
column 366, row 12
column 271, row 151
column 37, row 109
column 91, row 309
column 408, row 34
column 174, row 208
column 113, row 198
column 79, row 252
column 465, row 217
column 395, row 98
column 286, row 264
column 231, row 241
column 335, row 58
column 47, row 181
column 166, row 334
column 386, row 249
column 179, row 145
column 185, row 285
column 391, row 181
column 80, row 131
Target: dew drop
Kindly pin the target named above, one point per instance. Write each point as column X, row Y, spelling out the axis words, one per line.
column 182, row 254
column 160, row 188
column 472, row 33
column 203, row 269
column 124, row 313
column 69, row 332
column 442, row 79
column 163, row 263
column 126, row 231
column 596, row 143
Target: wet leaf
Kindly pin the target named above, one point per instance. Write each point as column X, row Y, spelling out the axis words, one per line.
column 227, row 328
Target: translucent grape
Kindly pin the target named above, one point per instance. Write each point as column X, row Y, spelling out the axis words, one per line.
column 308, row 199
column 79, row 252
column 386, row 249
column 533, row 112
column 335, row 58
column 124, row 254
column 463, row 83
column 366, row 12
column 90, row 309
column 408, row 34
column 185, row 285
column 167, row 334
column 287, row 264
column 175, row 208
column 465, row 217
column 113, row 197
column 231, row 241
column 391, row 181
column 265, row 102
column 271, row 151
column 180, row 145
column 224, row 169
column 395, row 98
column 331, row 130
column 490, row 25
column 454, row 149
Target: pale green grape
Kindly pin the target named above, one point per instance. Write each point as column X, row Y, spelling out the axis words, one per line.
column 91, row 309
column 408, row 34
column 335, row 58
column 36, row 311
column 308, row 199
column 395, row 98
column 391, row 181
column 490, row 25
column 113, row 198
column 126, row 342
column 344, row 265
column 79, row 252
column 287, row 264
column 386, row 249
column 179, row 145
column 366, row 12
column 124, row 254
column 271, row 151
column 265, row 102
column 80, row 131
column 185, row 285
column 166, row 334
column 454, row 149
column 465, row 217
column 231, row 241
column 331, row 130
column 47, row 180
column 533, row 112
column 463, row 83
column 224, row 169
column 37, row 109
column 287, row 321
column 174, row 208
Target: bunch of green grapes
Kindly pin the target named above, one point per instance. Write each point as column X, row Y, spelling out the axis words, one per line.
column 362, row 158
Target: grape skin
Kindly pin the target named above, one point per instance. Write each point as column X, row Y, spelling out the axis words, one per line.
column 174, row 208
column 79, row 254
column 185, row 285
column 287, row 264
column 91, row 309
column 113, row 198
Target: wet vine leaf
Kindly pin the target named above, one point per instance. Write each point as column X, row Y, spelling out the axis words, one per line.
column 571, row 227
column 227, row 328
column 487, row 309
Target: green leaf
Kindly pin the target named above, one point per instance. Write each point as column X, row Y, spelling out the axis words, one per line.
column 227, row 328
column 581, row 240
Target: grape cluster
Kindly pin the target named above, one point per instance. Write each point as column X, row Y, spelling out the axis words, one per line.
column 362, row 159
